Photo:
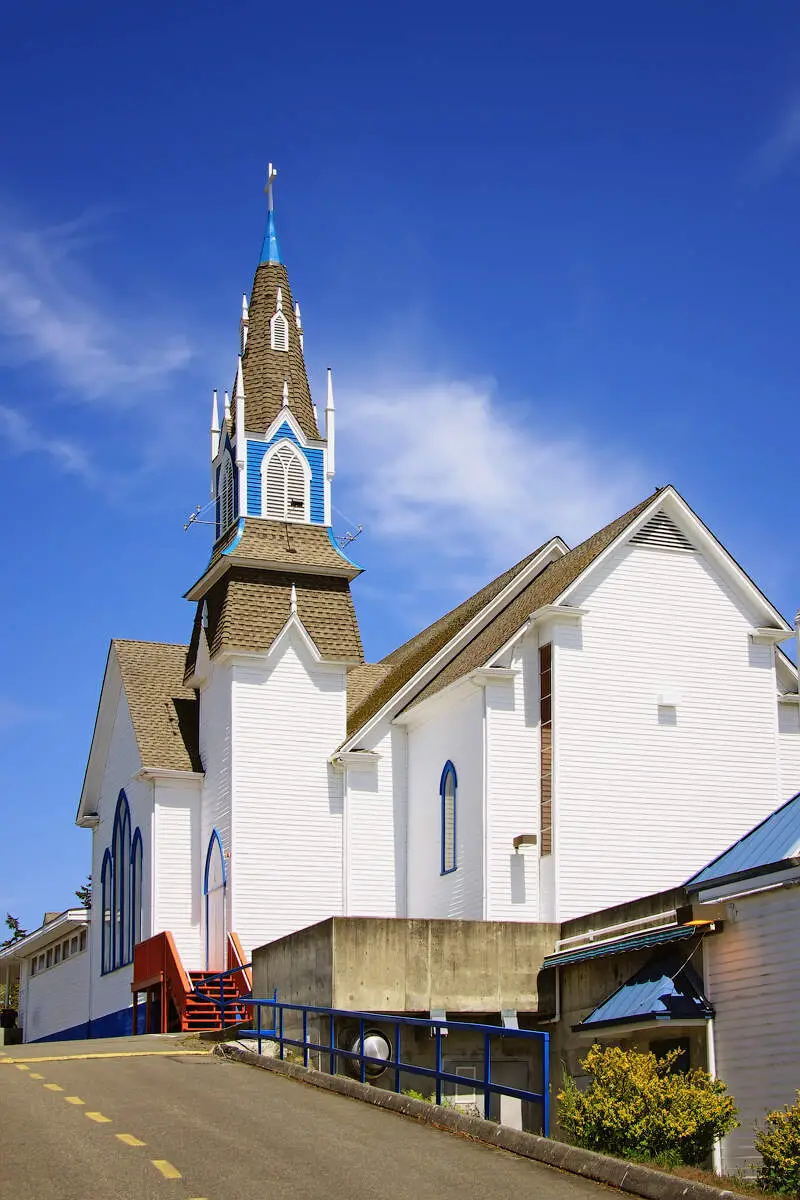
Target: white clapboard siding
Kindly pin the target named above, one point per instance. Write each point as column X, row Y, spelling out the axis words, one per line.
column 513, row 793
column 376, row 821
column 753, row 981
column 286, row 853
column 57, row 998
column 789, row 747
column 177, row 868
column 453, row 731
column 112, row 992
column 215, row 753
column 644, row 796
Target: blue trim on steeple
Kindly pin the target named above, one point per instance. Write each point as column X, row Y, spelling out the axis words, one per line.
column 271, row 251
column 236, row 538
column 340, row 551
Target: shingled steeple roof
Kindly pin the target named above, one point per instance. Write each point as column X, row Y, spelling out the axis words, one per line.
column 266, row 370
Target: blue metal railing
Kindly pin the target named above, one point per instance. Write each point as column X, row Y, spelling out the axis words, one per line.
column 222, row 1001
column 438, row 1029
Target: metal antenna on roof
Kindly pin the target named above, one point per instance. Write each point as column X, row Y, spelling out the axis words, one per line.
column 194, row 516
column 349, row 537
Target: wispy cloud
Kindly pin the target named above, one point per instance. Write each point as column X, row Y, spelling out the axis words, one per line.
column 440, row 465
column 18, row 435
column 54, row 314
column 782, row 145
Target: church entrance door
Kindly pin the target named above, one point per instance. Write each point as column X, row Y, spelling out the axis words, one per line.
column 214, row 887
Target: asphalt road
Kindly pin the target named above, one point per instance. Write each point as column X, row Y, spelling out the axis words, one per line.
column 169, row 1125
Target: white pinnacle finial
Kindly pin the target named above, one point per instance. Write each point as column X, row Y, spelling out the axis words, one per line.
column 227, row 407
column 330, row 429
column 293, row 601
column 285, row 392
column 271, row 176
column 214, row 427
column 329, row 405
column 239, row 380
column 297, row 317
column 280, row 301
column 245, row 311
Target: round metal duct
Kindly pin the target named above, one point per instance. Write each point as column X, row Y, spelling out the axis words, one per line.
column 376, row 1045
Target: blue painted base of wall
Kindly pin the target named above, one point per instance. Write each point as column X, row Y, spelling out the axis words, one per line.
column 116, row 1024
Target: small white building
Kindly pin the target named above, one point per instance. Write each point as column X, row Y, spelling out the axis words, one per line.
column 752, row 972
column 593, row 725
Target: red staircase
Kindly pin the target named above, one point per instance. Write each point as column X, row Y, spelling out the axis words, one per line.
column 171, row 1002
column 205, row 1014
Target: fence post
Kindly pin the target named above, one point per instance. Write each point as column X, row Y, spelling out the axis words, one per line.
column 487, row 1075
column 221, row 1002
column 397, row 1057
column 546, row 1085
column 258, row 1026
column 333, row 1047
column 438, row 1064
column 305, row 1037
column 361, row 1050
column 280, row 1029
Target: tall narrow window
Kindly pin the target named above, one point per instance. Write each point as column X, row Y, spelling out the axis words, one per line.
column 136, row 889
column 447, row 789
column 121, row 854
column 106, row 889
column 546, row 746
column 284, row 485
column 226, row 505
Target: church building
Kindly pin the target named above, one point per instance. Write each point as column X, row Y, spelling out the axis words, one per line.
column 593, row 725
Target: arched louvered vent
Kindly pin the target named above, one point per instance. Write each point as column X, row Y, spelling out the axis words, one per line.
column 279, row 332
column 662, row 532
column 284, row 486
column 225, row 495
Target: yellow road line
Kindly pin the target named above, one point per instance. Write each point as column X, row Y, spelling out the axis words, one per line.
column 130, row 1140
column 101, row 1120
column 166, row 1168
column 35, row 1075
column 22, row 1067
column 74, row 1100
column 109, row 1054
column 53, row 1087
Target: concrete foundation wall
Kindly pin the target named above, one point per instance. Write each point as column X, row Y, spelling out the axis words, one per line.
column 396, row 965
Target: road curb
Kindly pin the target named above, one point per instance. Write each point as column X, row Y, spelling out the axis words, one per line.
column 628, row 1177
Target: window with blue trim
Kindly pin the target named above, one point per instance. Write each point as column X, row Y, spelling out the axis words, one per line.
column 121, row 854
column 136, row 890
column 106, row 890
column 448, row 788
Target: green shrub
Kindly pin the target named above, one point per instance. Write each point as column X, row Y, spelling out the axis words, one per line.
column 778, row 1143
column 636, row 1106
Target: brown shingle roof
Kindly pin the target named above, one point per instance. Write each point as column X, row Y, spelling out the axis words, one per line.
column 163, row 710
column 284, row 542
column 361, row 680
column 404, row 662
column 247, row 610
column 545, row 588
column 264, row 369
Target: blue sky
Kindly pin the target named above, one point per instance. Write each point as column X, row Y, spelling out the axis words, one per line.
column 551, row 252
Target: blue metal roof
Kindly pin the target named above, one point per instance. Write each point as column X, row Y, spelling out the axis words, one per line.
column 271, row 251
column 665, row 990
column 641, row 941
column 773, row 844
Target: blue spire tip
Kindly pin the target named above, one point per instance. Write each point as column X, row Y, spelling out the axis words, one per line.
column 271, row 251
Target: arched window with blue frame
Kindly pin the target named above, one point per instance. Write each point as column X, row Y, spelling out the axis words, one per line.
column 121, row 855
column 136, row 889
column 106, row 907
column 448, row 787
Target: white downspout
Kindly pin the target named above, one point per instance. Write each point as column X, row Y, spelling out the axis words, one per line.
column 716, row 1153
column 485, row 808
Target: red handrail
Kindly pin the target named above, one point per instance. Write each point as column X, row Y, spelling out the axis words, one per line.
column 236, row 958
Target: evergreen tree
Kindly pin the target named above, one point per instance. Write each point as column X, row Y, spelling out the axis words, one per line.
column 17, row 932
column 84, row 893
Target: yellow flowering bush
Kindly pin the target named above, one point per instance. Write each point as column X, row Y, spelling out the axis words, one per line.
column 778, row 1143
column 637, row 1106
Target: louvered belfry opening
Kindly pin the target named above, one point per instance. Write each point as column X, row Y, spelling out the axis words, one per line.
column 662, row 532
column 285, row 488
column 279, row 332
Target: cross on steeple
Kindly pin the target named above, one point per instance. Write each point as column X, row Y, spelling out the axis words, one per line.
column 272, row 175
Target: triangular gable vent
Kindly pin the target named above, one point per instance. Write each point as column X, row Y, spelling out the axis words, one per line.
column 662, row 532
